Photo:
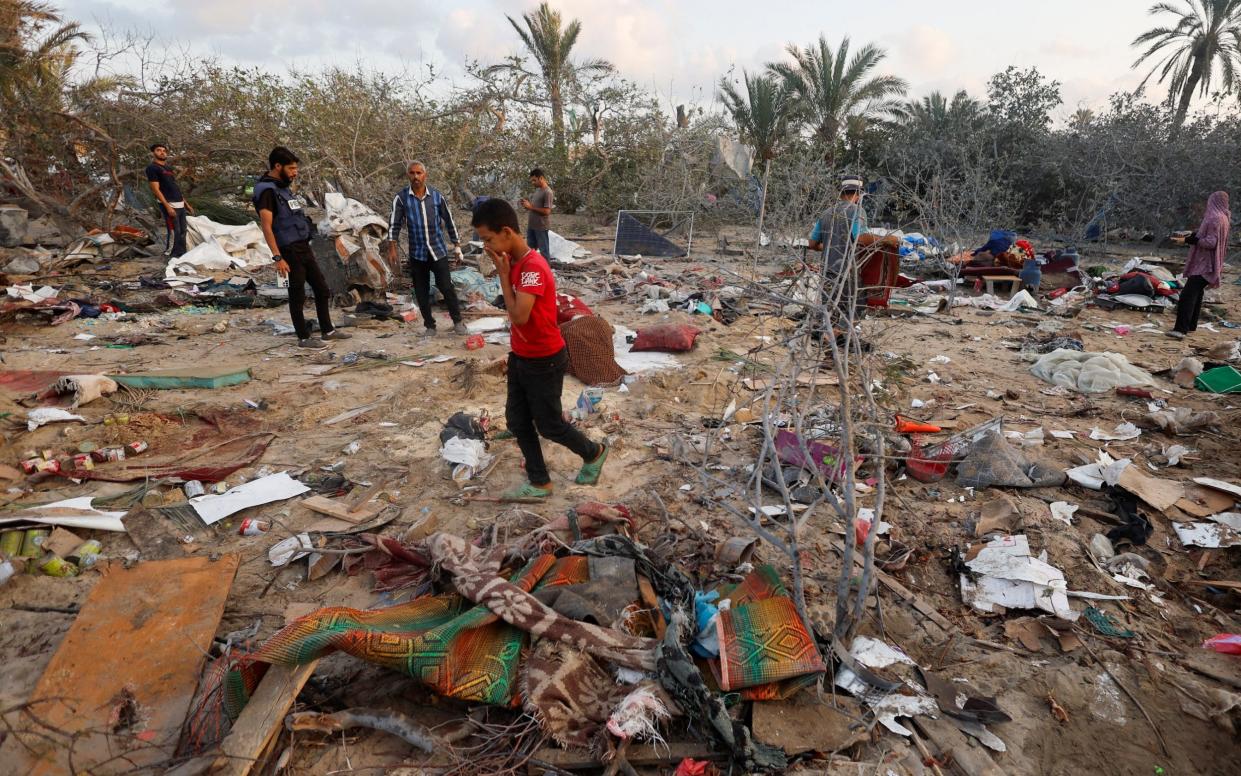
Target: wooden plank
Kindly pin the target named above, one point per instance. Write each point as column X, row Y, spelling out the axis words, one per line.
column 340, row 509
column 763, row 383
column 970, row 760
column 137, row 649
column 186, row 377
column 261, row 719
column 1220, row 485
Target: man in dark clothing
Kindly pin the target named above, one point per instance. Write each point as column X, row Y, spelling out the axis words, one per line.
column 172, row 205
column 428, row 217
column 288, row 230
column 539, row 222
column 537, row 364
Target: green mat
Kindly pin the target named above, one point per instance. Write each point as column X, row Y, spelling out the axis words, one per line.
column 1224, row 379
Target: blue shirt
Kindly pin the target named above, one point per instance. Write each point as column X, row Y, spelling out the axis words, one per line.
column 427, row 218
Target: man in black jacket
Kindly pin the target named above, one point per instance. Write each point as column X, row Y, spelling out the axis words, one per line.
column 287, row 230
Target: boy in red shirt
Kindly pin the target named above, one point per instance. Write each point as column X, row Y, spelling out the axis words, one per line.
column 537, row 364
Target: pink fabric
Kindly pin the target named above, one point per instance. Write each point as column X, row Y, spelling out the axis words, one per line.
column 1207, row 257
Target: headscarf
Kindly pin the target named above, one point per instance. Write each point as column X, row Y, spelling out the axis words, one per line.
column 1206, row 258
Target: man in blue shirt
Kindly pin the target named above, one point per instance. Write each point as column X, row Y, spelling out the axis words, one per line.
column 837, row 230
column 425, row 212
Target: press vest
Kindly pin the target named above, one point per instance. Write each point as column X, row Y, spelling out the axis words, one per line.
column 290, row 223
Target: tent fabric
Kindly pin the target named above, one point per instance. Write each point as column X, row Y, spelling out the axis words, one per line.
column 1089, row 372
column 635, row 238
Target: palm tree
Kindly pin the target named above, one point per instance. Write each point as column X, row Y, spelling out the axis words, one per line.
column 1204, row 41
column 34, row 68
column 763, row 115
column 937, row 112
column 832, row 86
column 550, row 41
column 1081, row 119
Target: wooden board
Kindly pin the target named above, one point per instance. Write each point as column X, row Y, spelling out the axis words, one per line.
column 1201, row 501
column 187, row 377
column 143, row 632
column 341, row 510
column 763, row 383
column 1159, row 493
column 261, row 719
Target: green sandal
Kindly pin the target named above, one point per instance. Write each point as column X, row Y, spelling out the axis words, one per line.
column 590, row 471
column 527, row 490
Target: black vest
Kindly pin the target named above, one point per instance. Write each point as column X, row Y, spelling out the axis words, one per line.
column 289, row 223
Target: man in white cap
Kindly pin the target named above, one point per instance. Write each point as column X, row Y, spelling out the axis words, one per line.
column 837, row 230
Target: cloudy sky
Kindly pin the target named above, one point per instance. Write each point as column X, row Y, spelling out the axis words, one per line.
column 678, row 49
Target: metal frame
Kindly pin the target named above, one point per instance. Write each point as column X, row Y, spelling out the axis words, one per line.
column 689, row 245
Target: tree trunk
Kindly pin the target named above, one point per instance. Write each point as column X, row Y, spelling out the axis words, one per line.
column 1187, row 93
column 762, row 206
column 553, row 92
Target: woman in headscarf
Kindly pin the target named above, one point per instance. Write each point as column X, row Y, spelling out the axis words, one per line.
column 1209, row 245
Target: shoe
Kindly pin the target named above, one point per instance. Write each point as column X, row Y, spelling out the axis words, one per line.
column 590, row 471
column 527, row 490
column 312, row 343
column 1174, row 334
column 459, row 328
column 428, row 332
column 337, row 334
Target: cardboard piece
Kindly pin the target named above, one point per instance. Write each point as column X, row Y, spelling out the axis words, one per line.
column 127, row 655
column 62, row 542
column 1011, row 578
column 763, row 383
column 1201, row 501
column 1220, row 485
column 806, row 724
column 1159, row 493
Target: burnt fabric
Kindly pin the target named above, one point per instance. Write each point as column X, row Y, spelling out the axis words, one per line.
column 592, row 356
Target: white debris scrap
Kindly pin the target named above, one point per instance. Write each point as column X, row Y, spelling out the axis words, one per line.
column 1011, row 578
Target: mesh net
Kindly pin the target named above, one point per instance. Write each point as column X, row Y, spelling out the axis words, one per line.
column 664, row 234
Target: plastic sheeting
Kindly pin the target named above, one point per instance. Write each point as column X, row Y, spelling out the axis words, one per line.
column 1089, row 372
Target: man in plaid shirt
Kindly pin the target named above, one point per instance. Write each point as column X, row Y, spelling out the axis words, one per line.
column 425, row 212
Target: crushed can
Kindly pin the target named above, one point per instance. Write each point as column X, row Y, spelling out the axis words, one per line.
column 107, row 454
column 82, row 461
column 52, row 466
column 137, row 448
column 31, row 465
column 86, row 555
column 48, row 454
column 32, row 542
column 252, row 527
column 56, row 566
column 193, row 488
column 11, row 543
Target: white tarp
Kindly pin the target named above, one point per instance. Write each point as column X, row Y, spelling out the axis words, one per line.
column 215, row 247
column 564, row 250
column 1089, row 372
column 274, row 487
column 71, row 513
column 734, row 155
column 348, row 216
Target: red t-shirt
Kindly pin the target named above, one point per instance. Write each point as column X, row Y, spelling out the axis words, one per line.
column 538, row 337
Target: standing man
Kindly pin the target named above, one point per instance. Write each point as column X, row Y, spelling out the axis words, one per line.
column 837, row 230
column 539, row 222
column 424, row 210
column 539, row 359
column 287, row 229
column 172, row 205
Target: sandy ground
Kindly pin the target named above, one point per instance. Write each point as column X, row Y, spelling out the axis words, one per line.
column 1105, row 732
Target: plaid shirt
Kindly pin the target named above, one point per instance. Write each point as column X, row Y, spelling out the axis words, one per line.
column 424, row 218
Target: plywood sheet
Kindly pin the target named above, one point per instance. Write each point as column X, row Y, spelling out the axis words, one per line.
column 123, row 677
